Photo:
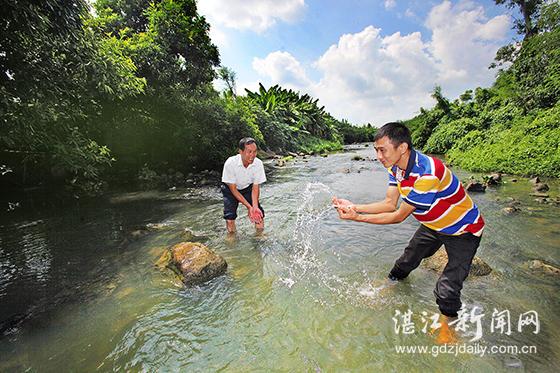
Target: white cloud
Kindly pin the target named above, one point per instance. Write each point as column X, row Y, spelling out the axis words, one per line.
column 367, row 77
column 255, row 15
column 390, row 4
column 282, row 67
column 464, row 42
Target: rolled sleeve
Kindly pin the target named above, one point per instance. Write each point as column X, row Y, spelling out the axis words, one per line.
column 228, row 174
column 392, row 179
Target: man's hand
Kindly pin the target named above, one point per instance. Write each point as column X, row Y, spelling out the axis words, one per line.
column 340, row 202
column 255, row 215
column 347, row 212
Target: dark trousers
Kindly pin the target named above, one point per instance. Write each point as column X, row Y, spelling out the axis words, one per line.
column 460, row 251
column 231, row 203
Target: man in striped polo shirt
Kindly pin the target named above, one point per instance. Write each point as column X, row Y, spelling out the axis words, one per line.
column 436, row 198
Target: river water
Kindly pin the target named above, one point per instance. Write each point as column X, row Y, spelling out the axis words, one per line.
column 79, row 293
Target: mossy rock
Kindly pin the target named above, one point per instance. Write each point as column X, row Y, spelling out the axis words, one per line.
column 164, row 260
column 197, row 262
column 475, row 187
column 193, row 262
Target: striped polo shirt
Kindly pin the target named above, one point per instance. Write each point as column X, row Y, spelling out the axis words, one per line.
column 440, row 200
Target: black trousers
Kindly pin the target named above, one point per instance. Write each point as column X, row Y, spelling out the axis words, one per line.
column 231, row 203
column 460, row 251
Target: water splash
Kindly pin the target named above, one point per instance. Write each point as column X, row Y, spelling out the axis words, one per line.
column 308, row 263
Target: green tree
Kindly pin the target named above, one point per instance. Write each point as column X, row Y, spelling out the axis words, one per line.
column 55, row 72
column 530, row 10
column 466, row 96
column 227, row 75
column 168, row 40
column 526, row 26
column 512, row 126
column 536, row 71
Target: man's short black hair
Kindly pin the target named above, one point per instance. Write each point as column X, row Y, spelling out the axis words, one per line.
column 397, row 133
column 246, row 141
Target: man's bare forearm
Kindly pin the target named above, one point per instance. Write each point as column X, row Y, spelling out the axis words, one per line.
column 391, row 217
column 380, row 218
column 255, row 195
column 376, row 207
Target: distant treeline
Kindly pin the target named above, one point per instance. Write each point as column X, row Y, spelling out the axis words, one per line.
column 90, row 95
column 513, row 126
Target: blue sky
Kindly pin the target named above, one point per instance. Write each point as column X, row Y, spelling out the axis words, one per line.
column 367, row 61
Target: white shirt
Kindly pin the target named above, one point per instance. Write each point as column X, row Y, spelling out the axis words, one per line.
column 235, row 173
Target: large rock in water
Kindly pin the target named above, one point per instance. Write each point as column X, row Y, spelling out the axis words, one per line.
column 494, row 179
column 476, row 187
column 438, row 261
column 197, row 262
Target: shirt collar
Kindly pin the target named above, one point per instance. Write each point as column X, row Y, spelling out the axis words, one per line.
column 240, row 162
column 411, row 162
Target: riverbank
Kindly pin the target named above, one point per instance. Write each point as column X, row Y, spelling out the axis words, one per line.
column 171, row 180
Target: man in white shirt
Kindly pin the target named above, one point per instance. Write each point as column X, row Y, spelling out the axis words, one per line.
column 241, row 177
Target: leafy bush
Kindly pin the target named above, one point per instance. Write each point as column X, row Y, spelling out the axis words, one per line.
column 530, row 148
column 352, row 134
column 446, row 134
column 314, row 145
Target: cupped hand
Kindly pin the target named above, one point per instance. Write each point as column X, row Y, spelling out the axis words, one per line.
column 255, row 215
column 340, row 202
column 347, row 212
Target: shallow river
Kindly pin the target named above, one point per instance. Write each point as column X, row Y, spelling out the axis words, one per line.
column 79, row 293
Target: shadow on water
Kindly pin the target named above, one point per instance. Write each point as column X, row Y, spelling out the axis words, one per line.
column 51, row 257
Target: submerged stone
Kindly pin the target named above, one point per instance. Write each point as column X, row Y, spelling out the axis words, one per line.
column 137, row 234
column 438, row 261
column 154, row 227
column 538, row 266
column 190, row 236
column 510, row 210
